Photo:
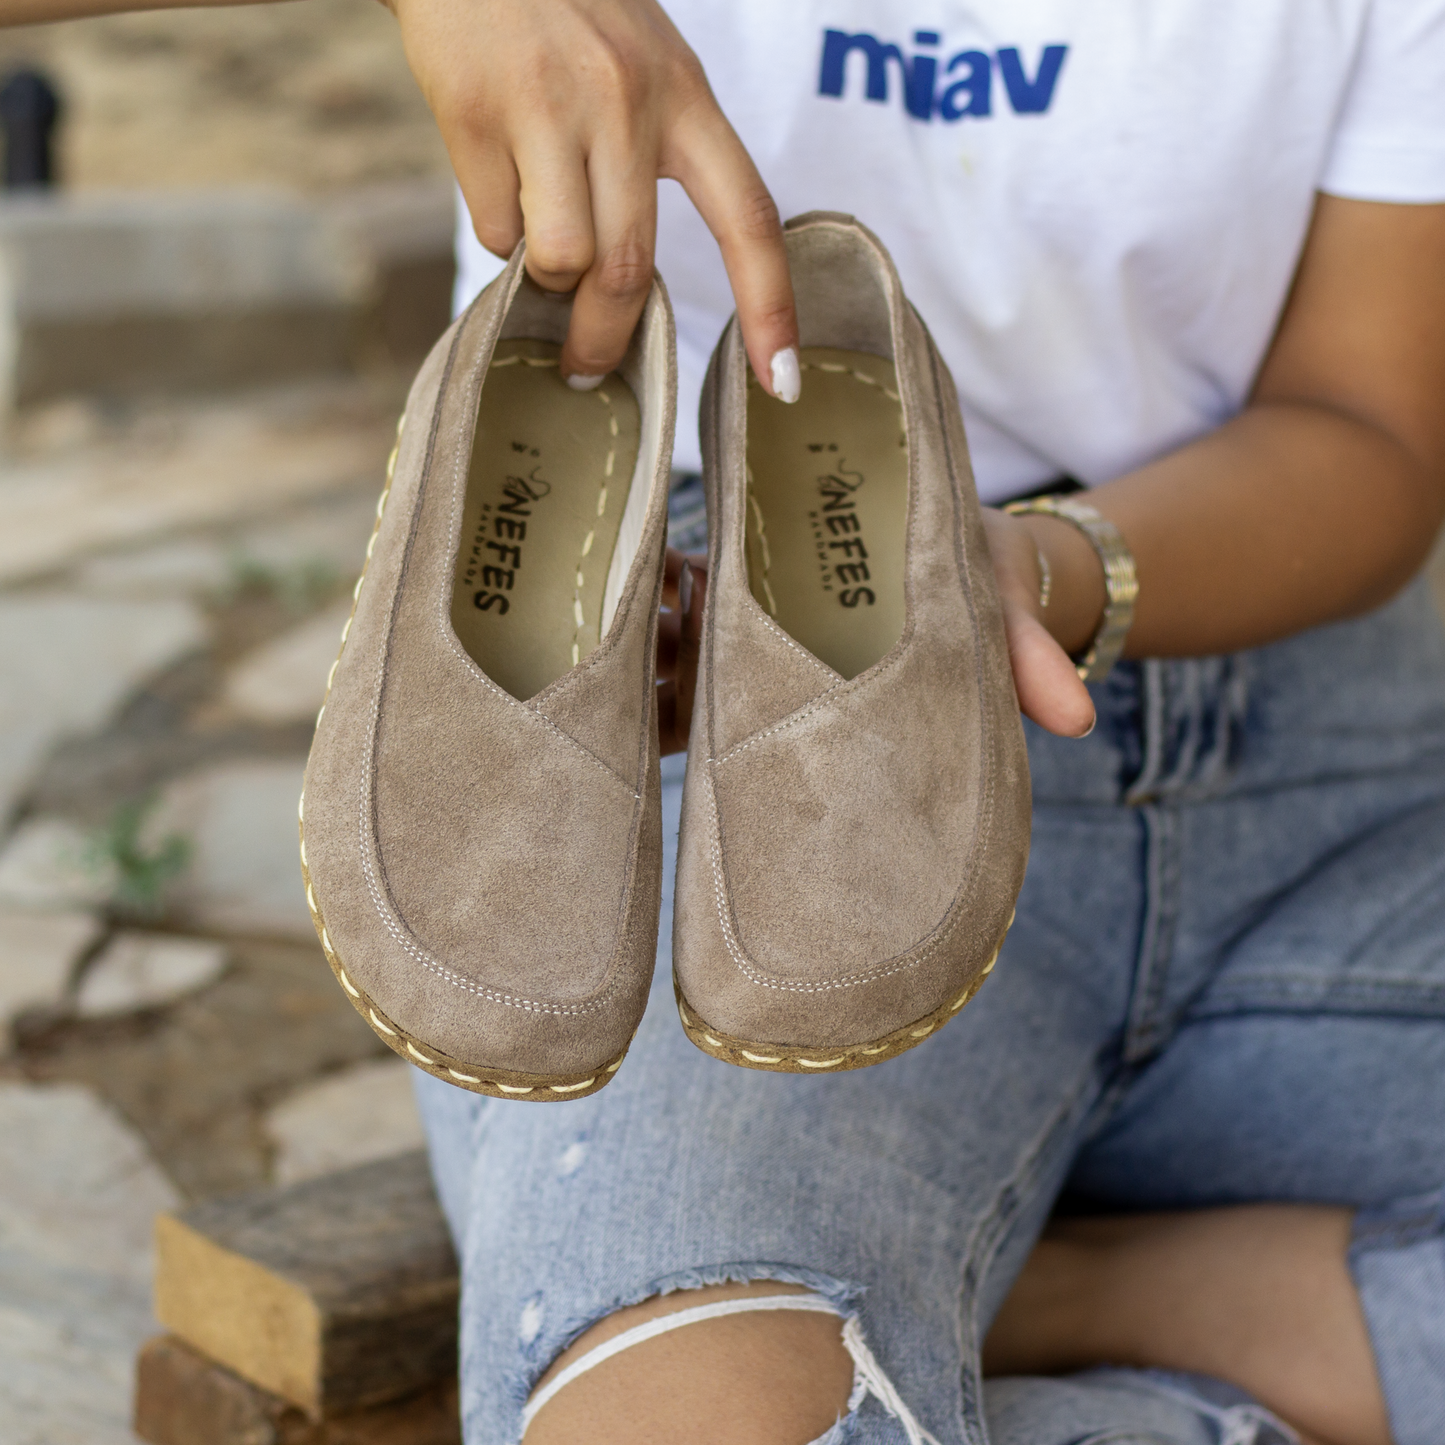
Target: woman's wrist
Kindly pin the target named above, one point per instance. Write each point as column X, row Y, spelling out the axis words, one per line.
column 1077, row 593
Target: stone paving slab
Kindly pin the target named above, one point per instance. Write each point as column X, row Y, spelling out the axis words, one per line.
column 45, row 863
column 66, row 663
column 38, row 955
column 244, row 874
column 360, row 1114
column 284, row 680
column 184, row 567
column 327, row 534
column 147, row 970
column 218, row 464
column 75, row 1256
column 196, row 1078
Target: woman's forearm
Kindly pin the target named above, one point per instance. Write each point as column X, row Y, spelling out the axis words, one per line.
column 1322, row 498
column 1285, row 518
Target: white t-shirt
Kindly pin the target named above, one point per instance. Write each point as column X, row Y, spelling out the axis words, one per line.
column 1096, row 205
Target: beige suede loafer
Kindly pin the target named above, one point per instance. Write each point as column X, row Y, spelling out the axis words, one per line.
column 481, row 826
column 855, row 819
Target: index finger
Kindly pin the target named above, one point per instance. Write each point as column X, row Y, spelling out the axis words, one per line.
column 721, row 180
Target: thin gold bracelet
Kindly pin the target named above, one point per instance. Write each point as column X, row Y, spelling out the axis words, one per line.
column 1121, row 581
column 1046, row 578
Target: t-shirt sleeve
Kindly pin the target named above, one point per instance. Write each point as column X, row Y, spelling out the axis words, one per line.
column 1389, row 143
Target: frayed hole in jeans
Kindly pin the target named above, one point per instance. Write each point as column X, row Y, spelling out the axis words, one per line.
column 869, row 1377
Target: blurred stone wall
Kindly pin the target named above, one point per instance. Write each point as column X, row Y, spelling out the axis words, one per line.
column 309, row 95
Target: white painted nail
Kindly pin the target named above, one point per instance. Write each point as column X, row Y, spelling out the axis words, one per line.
column 585, row 383
column 787, row 378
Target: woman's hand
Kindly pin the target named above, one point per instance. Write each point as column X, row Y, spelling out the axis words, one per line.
column 560, row 116
column 1046, row 680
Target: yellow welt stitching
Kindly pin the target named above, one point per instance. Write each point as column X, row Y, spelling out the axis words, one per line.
column 514, row 1088
column 922, row 1033
column 761, row 1058
column 762, row 545
column 716, row 1043
column 881, row 1048
column 416, row 1053
column 571, row 1088
column 822, row 1063
column 465, row 1078
column 377, row 1023
column 606, row 400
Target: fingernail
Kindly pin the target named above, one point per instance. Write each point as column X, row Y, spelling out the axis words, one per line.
column 585, row 383
column 787, row 378
column 1093, row 723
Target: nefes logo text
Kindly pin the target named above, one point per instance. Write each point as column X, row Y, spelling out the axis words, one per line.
column 963, row 86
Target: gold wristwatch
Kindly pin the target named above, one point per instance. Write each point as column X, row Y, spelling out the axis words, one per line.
column 1121, row 582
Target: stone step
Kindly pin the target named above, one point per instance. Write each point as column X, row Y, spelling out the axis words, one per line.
column 333, row 1294
column 135, row 292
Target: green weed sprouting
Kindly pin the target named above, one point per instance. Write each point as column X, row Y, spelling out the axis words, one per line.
column 301, row 586
column 136, row 873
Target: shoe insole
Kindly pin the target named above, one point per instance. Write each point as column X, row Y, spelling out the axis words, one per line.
column 550, row 473
column 828, row 507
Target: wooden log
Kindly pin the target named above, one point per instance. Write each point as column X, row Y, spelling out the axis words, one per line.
column 332, row 1294
column 182, row 1398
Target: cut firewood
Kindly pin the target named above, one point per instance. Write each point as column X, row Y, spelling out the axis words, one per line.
column 333, row 1294
column 182, row 1398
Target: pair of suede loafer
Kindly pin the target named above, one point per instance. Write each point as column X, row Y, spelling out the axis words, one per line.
column 481, row 835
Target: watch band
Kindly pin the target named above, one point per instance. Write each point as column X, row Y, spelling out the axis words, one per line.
column 1121, row 581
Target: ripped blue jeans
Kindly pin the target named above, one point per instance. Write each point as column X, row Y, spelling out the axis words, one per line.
column 1226, row 983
